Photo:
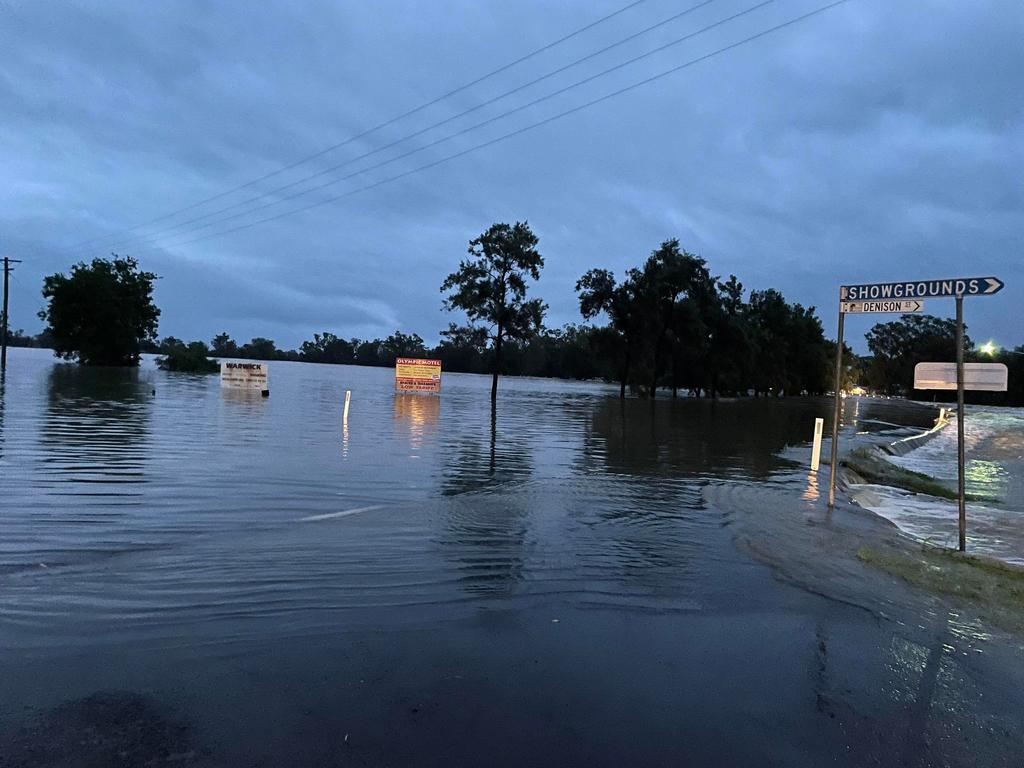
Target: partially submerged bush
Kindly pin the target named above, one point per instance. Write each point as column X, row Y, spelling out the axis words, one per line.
column 190, row 358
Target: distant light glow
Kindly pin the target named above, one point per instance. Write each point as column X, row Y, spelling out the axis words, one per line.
column 989, row 348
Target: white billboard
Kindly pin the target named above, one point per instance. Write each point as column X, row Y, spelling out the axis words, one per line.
column 984, row 377
column 251, row 376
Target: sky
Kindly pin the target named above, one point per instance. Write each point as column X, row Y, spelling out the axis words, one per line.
column 875, row 141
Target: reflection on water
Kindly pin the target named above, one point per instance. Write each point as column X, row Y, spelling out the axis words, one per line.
column 94, row 430
column 3, row 406
column 488, row 457
column 811, row 493
column 416, row 417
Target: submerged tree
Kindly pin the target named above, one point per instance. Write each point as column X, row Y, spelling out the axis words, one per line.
column 490, row 287
column 185, row 358
column 103, row 313
column 599, row 292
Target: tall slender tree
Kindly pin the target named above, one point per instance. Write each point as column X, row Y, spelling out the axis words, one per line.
column 490, row 287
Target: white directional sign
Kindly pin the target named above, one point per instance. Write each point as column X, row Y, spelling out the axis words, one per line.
column 903, row 307
column 922, row 289
column 980, row 377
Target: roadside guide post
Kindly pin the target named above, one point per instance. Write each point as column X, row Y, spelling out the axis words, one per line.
column 904, row 298
column 819, row 425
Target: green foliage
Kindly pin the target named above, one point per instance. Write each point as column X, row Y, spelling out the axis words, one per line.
column 899, row 345
column 328, row 348
column 1013, row 359
column 18, row 338
column 103, row 313
column 259, row 349
column 673, row 324
column 223, row 345
column 186, row 358
column 490, row 287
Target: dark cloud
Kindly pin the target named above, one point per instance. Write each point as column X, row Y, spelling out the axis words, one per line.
column 877, row 141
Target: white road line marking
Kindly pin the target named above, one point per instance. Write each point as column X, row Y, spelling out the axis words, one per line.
column 345, row 513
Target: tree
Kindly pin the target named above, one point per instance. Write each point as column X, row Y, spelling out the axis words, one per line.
column 599, row 293
column 461, row 348
column 328, row 348
column 103, row 313
column 401, row 344
column 490, row 287
column 223, row 345
column 676, row 294
column 899, row 345
column 185, row 358
column 259, row 349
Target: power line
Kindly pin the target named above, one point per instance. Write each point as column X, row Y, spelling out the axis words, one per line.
column 524, row 129
column 374, row 129
column 469, row 129
column 150, row 237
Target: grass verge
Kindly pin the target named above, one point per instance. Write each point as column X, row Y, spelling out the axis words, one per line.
column 996, row 588
column 870, row 464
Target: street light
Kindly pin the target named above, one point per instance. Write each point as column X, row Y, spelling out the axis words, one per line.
column 989, row 348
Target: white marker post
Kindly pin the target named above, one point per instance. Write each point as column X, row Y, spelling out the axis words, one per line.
column 819, row 426
column 348, row 399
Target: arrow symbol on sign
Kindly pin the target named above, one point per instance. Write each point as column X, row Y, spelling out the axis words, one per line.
column 993, row 284
column 917, row 306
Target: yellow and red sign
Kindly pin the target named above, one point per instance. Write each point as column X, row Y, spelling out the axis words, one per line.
column 414, row 374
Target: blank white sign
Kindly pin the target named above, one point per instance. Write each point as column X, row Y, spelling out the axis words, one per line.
column 985, row 377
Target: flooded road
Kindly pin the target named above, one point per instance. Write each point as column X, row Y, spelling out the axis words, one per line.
column 209, row 579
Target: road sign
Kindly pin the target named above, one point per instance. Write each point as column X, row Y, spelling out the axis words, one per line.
column 413, row 374
column 922, row 289
column 906, row 297
column 905, row 307
column 983, row 377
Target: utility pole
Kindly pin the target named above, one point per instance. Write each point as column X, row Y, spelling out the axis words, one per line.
column 4, row 318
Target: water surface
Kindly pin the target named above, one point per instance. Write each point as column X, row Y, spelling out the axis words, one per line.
column 554, row 582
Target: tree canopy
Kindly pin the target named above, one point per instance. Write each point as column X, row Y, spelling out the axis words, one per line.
column 671, row 323
column 103, row 313
column 897, row 346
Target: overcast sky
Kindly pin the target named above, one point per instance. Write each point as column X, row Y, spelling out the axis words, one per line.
column 879, row 140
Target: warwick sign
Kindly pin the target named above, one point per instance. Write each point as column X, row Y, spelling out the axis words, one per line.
column 922, row 289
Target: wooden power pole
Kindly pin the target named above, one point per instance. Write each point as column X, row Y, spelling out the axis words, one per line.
column 4, row 322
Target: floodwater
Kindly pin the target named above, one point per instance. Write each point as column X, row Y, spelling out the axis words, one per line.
column 993, row 472
column 189, row 576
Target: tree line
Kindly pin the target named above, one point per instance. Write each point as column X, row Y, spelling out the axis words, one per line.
column 667, row 324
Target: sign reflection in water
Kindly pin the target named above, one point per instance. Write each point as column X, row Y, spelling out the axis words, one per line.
column 416, row 416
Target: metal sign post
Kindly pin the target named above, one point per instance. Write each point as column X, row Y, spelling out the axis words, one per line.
column 837, row 412
column 960, row 479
